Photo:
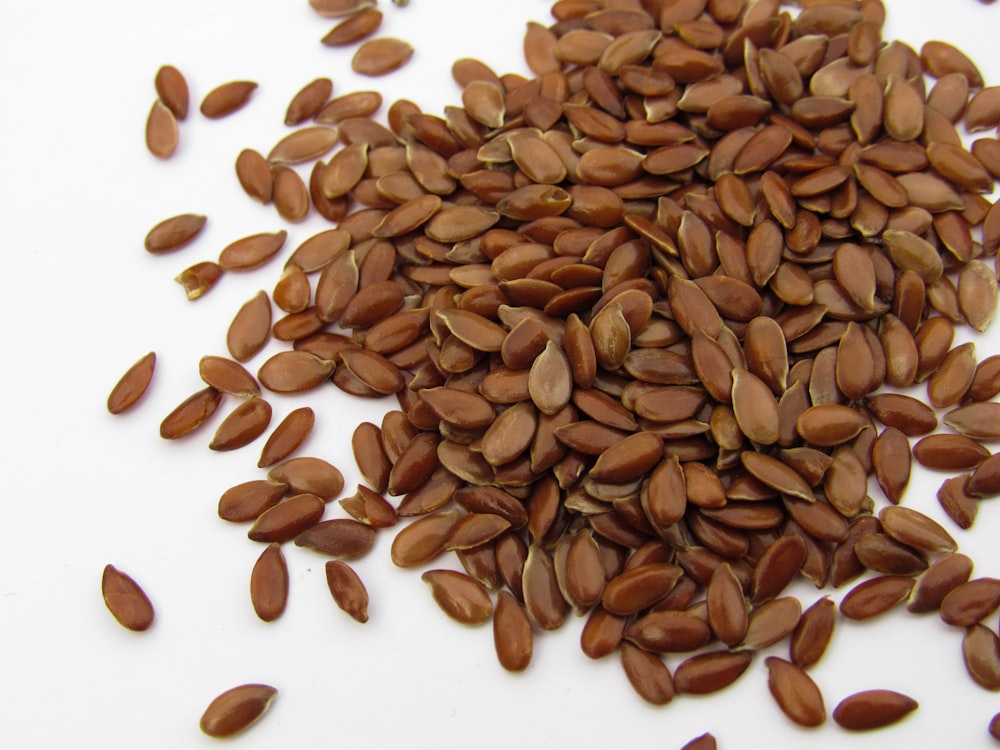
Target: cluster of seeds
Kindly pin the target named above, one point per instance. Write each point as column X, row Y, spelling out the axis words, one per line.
column 647, row 317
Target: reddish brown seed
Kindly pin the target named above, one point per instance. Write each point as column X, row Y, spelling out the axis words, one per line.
column 777, row 566
column 512, row 635
column 543, row 600
column 460, row 596
column 380, row 56
column 354, row 28
column 813, row 632
column 269, row 583
column 648, row 674
column 162, row 134
column 172, row 89
column 949, row 452
column 246, row 501
column 228, row 377
column 227, row 98
column 308, row 101
column 294, row 371
column 347, row 589
column 287, row 436
column 913, row 528
column 308, row 474
column 132, row 385
column 943, row 576
column 199, row 278
column 236, row 709
column 250, row 328
column 254, row 175
column 126, row 600
column 285, row 520
column 710, row 672
column 727, row 608
column 174, row 233
column 971, row 602
column 251, row 251
column 190, row 413
column 872, row 709
column 875, row 596
column 338, row 537
column 639, row 588
column 242, row 426
column 795, row 692
column 423, row 539
column 981, row 652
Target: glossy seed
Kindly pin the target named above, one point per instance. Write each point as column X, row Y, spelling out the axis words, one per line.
column 126, row 600
column 512, row 634
column 132, row 385
column 236, row 709
column 460, row 596
column 347, row 589
column 269, row 583
column 174, row 233
column 872, row 709
column 795, row 692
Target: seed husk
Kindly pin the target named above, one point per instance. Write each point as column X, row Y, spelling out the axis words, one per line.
column 132, row 385
column 269, row 583
column 347, row 589
column 174, row 233
column 126, row 600
column 236, row 709
column 227, row 98
column 872, row 709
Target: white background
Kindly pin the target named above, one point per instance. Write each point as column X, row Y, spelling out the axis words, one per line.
column 82, row 301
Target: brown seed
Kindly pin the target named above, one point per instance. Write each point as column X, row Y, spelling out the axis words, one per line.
column 251, row 251
column 172, row 89
column 875, row 596
column 254, row 175
column 126, row 600
column 294, row 371
column 827, row 425
column 246, row 501
column 308, row 101
column 162, row 134
column 174, row 233
column 250, row 328
column 913, row 528
column 702, row 742
column 338, row 537
column 648, row 674
column 795, row 692
column 287, row 436
column 354, row 28
column 236, row 709
column 347, row 589
column 227, row 98
column 777, row 566
column 971, row 602
column 669, row 632
column 242, row 426
column 727, row 609
column 512, row 636
column 943, row 576
column 190, row 413
column 460, row 596
column 543, row 600
column 132, row 385
column 813, row 632
column 423, row 539
column 308, row 474
column 288, row 518
column 269, row 583
column 981, row 652
column 304, row 144
column 949, row 452
column 872, row 709
column 710, row 672
column 199, row 278
column 377, row 57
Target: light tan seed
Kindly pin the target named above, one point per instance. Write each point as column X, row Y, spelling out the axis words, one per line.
column 174, row 233
column 648, row 674
column 132, row 385
column 309, row 474
column 162, row 134
column 126, row 600
column 512, row 635
column 380, row 56
column 795, row 692
column 269, row 583
column 872, row 709
column 245, row 502
column 190, row 413
column 460, row 596
column 236, row 709
column 227, row 98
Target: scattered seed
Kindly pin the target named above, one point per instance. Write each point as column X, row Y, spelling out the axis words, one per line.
column 227, row 98
column 872, row 709
column 132, row 385
column 236, row 709
column 347, row 589
column 126, row 600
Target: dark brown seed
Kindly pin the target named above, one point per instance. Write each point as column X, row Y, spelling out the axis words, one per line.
column 795, row 692
column 227, row 98
column 648, row 674
column 174, row 233
column 190, row 413
column 236, row 709
column 132, row 385
column 126, row 600
column 378, row 57
column 269, row 583
column 512, row 636
column 285, row 520
column 872, row 709
column 668, row 631
column 460, row 596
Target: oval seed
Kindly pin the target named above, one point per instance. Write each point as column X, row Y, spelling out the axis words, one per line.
column 236, row 709
column 795, row 692
column 462, row 597
column 132, row 385
column 269, row 583
column 347, row 589
column 872, row 709
column 512, row 637
column 126, row 600
column 227, row 98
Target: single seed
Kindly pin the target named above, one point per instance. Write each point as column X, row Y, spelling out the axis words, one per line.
column 347, row 589
column 269, row 583
column 236, row 709
column 126, row 600
column 872, row 709
column 227, row 98
column 132, row 385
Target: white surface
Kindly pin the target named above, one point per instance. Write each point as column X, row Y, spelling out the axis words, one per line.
column 82, row 301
